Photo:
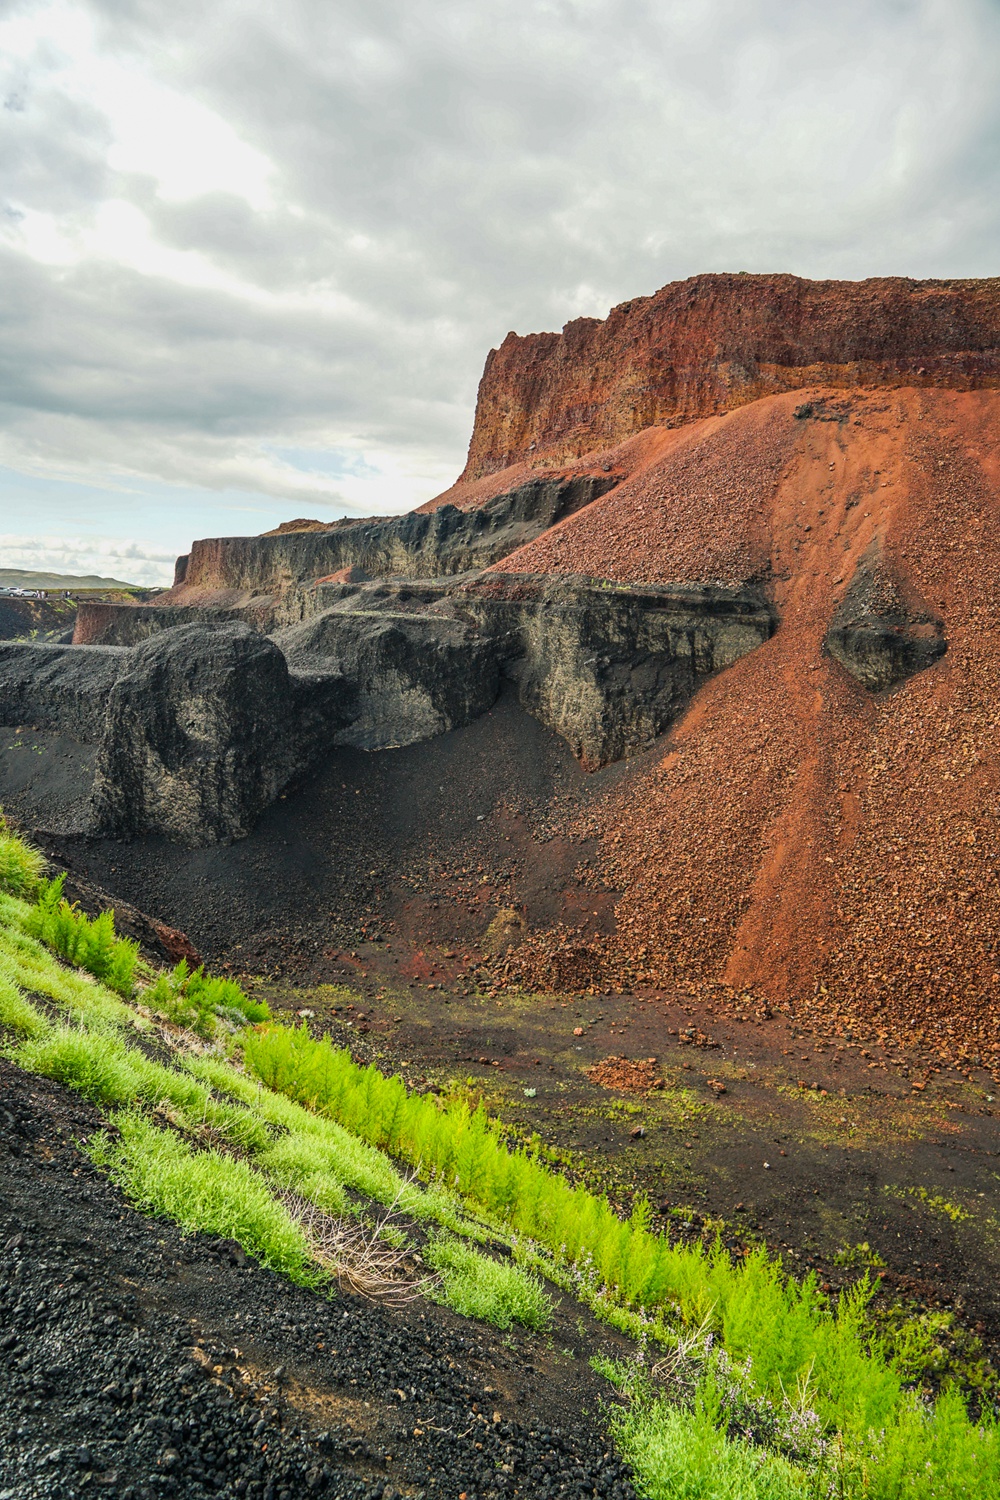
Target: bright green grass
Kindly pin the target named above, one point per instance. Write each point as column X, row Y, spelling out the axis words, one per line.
column 202, row 1190
column 17, row 1013
column 782, row 1327
column 21, row 866
column 89, row 943
column 26, row 962
column 104, row 1069
column 293, row 1149
column 681, row 1455
column 195, row 1000
column 321, row 1133
column 781, row 1331
column 478, row 1287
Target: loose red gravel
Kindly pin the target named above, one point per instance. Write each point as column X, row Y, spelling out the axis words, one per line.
column 800, row 837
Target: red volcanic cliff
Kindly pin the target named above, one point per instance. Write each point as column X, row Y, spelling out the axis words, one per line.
column 712, row 343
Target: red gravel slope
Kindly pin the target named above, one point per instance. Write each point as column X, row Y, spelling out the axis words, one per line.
column 801, row 835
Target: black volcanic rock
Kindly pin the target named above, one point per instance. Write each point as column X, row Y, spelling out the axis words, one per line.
column 202, row 732
column 59, row 687
column 417, row 675
column 879, row 634
column 606, row 666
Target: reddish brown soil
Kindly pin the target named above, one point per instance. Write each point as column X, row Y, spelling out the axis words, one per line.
column 716, row 342
column 630, row 1077
column 799, row 835
column 628, row 457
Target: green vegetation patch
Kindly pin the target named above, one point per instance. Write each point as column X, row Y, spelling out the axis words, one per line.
column 682, row 1455
column 21, row 866
column 88, row 943
column 479, row 1287
column 203, row 1190
column 305, row 1118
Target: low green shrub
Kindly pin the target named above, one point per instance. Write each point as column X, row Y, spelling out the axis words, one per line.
column 21, row 865
column 782, row 1332
column 161, row 1174
column 475, row 1286
column 17, row 1013
column 89, row 943
column 680, row 1454
column 194, row 1000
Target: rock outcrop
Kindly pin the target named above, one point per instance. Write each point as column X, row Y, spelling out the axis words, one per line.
column 201, row 734
column 415, row 675
column 201, row 724
column 609, row 668
column 59, row 687
column 712, row 343
column 197, row 730
column 879, row 635
column 420, row 544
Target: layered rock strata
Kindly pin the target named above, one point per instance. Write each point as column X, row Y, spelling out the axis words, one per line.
column 711, row 343
column 419, row 544
column 608, row 668
column 202, row 723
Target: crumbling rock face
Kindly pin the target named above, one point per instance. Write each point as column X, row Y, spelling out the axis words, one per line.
column 711, row 343
column 200, row 726
column 202, row 731
column 608, row 668
column 104, row 624
column 36, row 619
column 417, row 675
column 605, row 667
column 420, row 544
column 880, row 636
column 59, row 687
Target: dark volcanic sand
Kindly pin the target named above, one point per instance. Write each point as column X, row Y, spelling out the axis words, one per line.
column 346, row 849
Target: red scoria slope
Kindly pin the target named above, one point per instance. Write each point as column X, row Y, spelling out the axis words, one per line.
column 712, row 343
column 799, row 834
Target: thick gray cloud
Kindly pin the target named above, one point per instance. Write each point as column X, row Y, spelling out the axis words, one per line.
column 410, row 179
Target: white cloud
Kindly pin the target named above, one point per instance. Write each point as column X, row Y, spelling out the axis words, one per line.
column 108, row 557
column 258, row 249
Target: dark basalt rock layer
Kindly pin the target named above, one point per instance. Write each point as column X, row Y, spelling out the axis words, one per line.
column 609, row 667
column 202, row 731
column 196, row 731
column 417, row 675
column 202, row 724
column 420, row 544
column 59, row 687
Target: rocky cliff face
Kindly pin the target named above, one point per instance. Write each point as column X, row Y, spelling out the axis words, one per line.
column 799, row 594
column 420, row 544
column 711, row 343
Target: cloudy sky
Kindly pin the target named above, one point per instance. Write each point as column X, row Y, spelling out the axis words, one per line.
column 254, row 254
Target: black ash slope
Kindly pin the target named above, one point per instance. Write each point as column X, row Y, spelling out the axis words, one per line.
column 135, row 1363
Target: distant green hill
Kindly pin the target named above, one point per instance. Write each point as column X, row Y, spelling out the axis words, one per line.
column 20, row 578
